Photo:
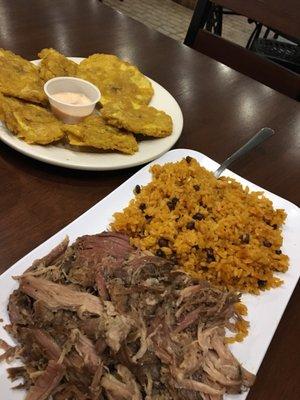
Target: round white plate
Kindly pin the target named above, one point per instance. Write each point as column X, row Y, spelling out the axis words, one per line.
column 148, row 149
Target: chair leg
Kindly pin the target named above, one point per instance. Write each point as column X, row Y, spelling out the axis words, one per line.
column 254, row 35
column 199, row 18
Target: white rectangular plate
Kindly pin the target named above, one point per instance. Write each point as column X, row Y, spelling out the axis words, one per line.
column 265, row 310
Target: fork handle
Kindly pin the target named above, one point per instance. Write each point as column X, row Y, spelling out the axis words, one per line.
column 257, row 139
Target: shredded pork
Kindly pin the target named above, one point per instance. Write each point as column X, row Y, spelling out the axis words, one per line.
column 102, row 320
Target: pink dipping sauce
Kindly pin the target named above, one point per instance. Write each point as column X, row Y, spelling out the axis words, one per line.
column 78, row 99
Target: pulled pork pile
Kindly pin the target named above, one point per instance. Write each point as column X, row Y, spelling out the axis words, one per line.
column 103, row 320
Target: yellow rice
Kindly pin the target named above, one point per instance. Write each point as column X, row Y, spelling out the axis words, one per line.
column 235, row 245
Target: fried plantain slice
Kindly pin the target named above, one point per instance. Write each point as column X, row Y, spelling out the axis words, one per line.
column 93, row 132
column 138, row 118
column 73, row 139
column 54, row 64
column 20, row 78
column 34, row 124
column 116, row 78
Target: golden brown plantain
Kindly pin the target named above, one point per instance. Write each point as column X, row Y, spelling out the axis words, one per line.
column 54, row 64
column 138, row 118
column 116, row 78
column 20, row 78
column 34, row 124
column 93, row 132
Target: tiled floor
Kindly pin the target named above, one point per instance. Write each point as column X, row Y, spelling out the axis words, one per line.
column 167, row 17
column 173, row 20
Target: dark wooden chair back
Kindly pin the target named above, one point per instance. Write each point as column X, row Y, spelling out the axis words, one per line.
column 283, row 16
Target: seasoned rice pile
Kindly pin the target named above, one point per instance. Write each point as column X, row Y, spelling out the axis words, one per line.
column 214, row 229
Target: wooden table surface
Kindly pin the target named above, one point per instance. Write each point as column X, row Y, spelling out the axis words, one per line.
column 222, row 109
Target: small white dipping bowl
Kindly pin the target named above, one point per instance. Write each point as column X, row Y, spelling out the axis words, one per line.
column 71, row 113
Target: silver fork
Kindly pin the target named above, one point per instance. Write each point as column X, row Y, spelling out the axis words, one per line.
column 257, row 139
